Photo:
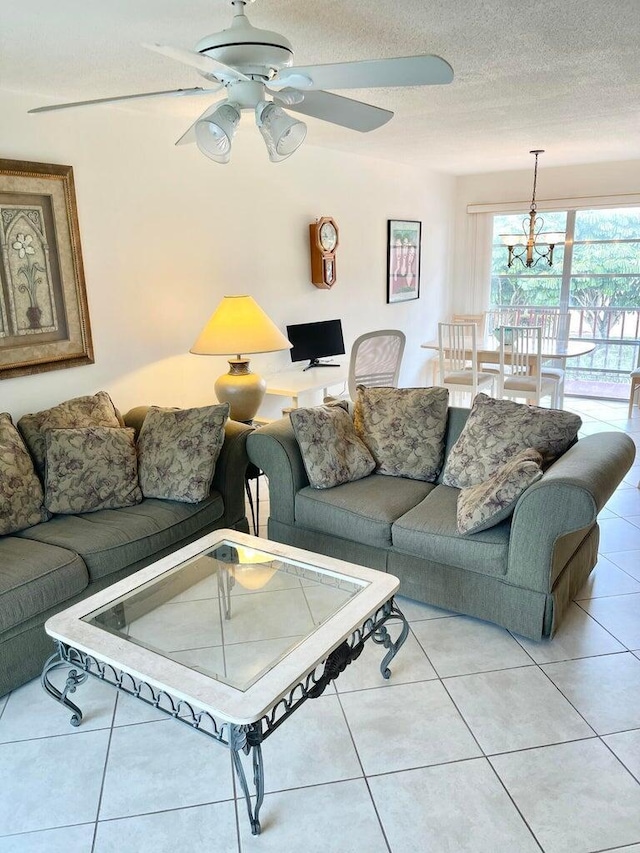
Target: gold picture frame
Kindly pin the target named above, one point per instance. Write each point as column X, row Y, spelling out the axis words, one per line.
column 44, row 315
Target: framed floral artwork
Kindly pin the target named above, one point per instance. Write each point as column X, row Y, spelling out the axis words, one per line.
column 403, row 260
column 44, row 316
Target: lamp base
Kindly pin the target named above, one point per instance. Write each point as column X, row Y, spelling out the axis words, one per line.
column 240, row 388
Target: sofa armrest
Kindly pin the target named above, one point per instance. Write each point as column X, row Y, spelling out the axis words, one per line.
column 565, row 501
column 274, row 449
column 231, row 465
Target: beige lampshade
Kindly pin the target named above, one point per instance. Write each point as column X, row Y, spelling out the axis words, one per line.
column 239, row 325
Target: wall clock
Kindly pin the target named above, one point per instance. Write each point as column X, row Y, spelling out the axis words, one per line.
column 323, row 242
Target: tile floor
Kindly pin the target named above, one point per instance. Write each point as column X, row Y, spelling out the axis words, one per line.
column 481, row 741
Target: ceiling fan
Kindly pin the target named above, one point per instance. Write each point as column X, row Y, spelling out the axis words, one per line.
column 251, row 63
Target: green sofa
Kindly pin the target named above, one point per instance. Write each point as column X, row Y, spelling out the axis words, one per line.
column 46, row 568
column 521, row 574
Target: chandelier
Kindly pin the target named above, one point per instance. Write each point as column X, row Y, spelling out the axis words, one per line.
column 534, row 243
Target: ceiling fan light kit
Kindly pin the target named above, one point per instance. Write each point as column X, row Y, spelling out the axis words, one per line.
column 215, row 133
column 253, row 65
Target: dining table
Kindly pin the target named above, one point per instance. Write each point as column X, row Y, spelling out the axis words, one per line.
column 488, row 351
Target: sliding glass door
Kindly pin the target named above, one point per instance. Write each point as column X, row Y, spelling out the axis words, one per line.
column 595, row 277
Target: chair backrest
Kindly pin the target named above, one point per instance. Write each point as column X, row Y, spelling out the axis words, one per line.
column 520, row 352
column 455, row 342
column 376, row 358
column 479, row 319
column 554, row 323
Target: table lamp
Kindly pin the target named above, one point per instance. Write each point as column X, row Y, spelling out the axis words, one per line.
column 239, row 325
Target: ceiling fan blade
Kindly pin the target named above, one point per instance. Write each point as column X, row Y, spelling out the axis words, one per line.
column 368, row 74
column 189, row 135
column 198, row 90
column 205, row 64
column 356, row 115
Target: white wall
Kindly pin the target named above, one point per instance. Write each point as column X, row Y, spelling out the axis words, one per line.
column 166, row 233
column 598, row 179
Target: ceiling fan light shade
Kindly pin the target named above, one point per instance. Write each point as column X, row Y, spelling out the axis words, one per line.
column 283, row 135
column 215, row 133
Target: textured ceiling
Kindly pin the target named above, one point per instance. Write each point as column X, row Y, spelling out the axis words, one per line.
column 563, row 76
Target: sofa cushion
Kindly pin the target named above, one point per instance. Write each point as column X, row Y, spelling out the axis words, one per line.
column 111, row 539
column 430, row 531
column 91, row 468
column 21, row 498
column 94, row 410
column 178, row 450
column 404, row 429
column 498, row 429
column 36, row 577
column 331, row 451
column 485, row 505
column 362, row 511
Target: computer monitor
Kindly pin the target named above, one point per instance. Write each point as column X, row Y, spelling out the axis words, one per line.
column 314, row 341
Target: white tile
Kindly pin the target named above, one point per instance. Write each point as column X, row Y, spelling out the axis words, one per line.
column 620, row 615
column 410, row 664
column 628, row 561
column 3, row 702
column 515, row 709
column 179, row 625
column 130, row 711
column 607, row 579
column 578, row 636
column 68, row 839
column 452, row 808
column 407, row 725
column 210, row 827
column 30, row 712
column 461, row 645
column 267, row 616
column 605, row 690
column 576, row 797
column 616, row 534
column 337, row 818
column 156, row 766
column 626, row 746
column 414, row 611
column 625, row 503
column 318, row 729
column 54, row 781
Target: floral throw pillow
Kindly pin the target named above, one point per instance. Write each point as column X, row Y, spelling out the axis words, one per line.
column 178, row 450
column 404, row 428
column 21, row 497
column 93, row 410
column 91, row 468
column 498, row 429
column 489, row 503
column 331, row 451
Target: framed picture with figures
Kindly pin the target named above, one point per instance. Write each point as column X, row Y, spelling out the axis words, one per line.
column 403, row 260
column 44, row 316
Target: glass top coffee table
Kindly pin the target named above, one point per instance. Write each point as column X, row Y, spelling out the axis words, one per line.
column 228, row 635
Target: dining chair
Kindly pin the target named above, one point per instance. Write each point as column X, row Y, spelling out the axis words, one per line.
column 479, row 319
column 459, row 373
column 521, row 365
column 555, row 327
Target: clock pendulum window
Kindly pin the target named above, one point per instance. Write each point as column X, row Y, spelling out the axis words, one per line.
column 323, row 242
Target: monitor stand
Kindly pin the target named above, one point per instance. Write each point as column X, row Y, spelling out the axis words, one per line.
column 316, row 363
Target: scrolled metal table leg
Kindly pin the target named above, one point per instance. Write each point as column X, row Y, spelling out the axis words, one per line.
column 74, row 678
column 381, row 636
column 249, row 743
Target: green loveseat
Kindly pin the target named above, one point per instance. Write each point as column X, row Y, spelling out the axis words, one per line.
column 50, row 566
column 521, row 574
